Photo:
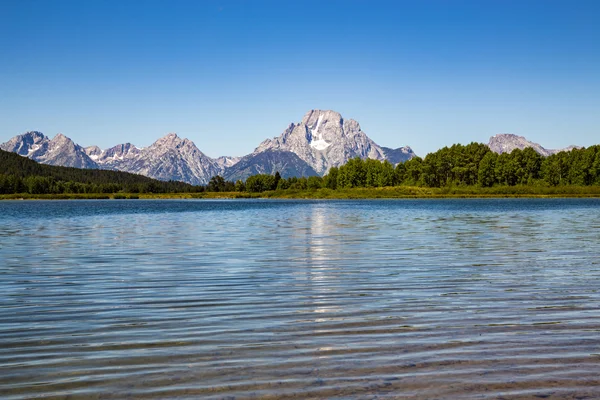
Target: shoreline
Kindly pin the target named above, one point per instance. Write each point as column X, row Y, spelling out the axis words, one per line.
column 397, row 192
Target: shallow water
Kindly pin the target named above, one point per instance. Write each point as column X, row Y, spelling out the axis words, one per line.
column 300, row 299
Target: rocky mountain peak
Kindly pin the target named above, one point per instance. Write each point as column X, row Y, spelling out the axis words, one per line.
column 174, row 142
column 169, row 139
column 324, row 139
column 60, row 136
column 324, row 127
column 351, row 125
column 26, row 144
column 35, row 136
column 312, row 117
column 60, row 141
column 507, row 142
column 31, row 135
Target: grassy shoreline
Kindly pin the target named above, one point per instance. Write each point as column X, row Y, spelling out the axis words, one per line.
column 398, row 192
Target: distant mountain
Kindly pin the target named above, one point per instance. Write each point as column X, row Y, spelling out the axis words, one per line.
column 399, row 155
column 60, row 150
column 288, row 164
column 226, row 161
column 114, row 157
column 88, row 179
column 27, row 144
column 169, row 158
column 323, row 139
column 506, row 143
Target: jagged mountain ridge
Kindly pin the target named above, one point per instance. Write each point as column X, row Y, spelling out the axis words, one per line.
column 59, row 150
column 169, row 158
column 507, row 142
column 113, row 156
column 321, row 140
column 173, row 158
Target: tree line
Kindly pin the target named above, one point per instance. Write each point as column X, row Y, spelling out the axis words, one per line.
column 459, row 165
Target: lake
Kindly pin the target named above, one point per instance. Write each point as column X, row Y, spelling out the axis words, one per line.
column 456, row 298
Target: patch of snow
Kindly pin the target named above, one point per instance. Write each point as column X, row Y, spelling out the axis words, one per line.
column 34, row 148
column 316, row 130
column 94, row 157
column 320, row 143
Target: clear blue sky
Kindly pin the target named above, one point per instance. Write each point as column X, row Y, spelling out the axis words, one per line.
column 229, row 74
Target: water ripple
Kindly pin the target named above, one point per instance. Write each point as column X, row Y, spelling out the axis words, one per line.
column 300, row 299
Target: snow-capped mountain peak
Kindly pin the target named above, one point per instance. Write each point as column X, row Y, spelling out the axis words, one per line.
column 323, row 139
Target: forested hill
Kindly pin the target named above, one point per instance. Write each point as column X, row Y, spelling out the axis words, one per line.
column 20, row 174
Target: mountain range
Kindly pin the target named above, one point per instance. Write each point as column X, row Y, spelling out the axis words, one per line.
column 323, row 139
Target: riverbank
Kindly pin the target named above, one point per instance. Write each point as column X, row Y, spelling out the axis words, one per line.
column 350, row 193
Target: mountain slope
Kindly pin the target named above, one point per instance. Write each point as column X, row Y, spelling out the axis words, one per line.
column 288, row 164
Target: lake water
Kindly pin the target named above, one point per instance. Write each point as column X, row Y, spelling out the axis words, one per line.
column 300, row 299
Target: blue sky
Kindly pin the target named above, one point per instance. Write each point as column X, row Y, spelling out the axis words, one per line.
column 229, row 74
